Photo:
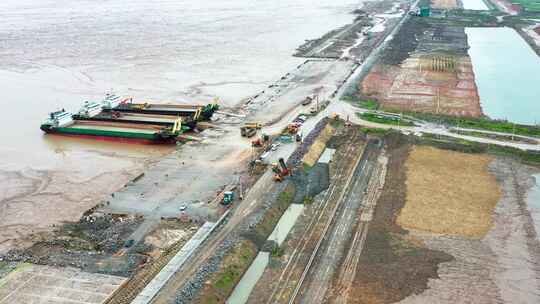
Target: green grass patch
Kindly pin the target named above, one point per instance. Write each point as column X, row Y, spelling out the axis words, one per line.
column 479, row 123
column 506, row 137
column 306, row 167
column 308, row 200
column 369, row 104
column 383, row 119
column 277, row 251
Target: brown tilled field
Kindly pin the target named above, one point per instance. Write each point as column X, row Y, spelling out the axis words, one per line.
column 449, row 193
column 393, row 264
column 430, row 83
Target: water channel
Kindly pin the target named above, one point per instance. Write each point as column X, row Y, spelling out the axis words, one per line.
column 507, row 74
column 242, row 291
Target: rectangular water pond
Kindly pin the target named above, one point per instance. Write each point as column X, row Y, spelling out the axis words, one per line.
column 478, row 5
column 507, row 74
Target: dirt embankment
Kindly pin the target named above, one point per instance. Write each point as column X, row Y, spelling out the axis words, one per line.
column 393, row 264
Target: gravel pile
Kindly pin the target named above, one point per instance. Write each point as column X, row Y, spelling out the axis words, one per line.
column 190, row 290
column 309, row 184
column 85, row 244
column 296, row 157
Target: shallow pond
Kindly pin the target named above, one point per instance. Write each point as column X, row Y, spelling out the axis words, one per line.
column 507, row 73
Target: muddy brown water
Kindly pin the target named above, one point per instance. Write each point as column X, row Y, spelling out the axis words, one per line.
column 59, row 55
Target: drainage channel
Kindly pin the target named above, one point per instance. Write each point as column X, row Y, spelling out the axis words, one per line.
column 243, row 289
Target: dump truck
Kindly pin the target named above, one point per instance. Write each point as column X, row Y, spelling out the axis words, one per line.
column 228, row 197
column 253, row 125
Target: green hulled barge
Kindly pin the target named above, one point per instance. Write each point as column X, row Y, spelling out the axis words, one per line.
column 62, row 122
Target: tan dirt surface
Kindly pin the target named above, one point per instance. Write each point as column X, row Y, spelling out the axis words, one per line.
column 444, row 4
column 318, row 146
column 449, row 193
column 501, row 267
column 423, row 84
column 393, row 265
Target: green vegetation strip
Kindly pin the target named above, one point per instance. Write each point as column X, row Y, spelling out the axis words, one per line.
column 480, row 123
column 375, row 131
column 509, row 137
column 382, row 119
column 462, row 145
column 235, row 263
column 369, row 104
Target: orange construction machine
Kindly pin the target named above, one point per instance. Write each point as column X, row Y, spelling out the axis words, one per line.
column 280, row 170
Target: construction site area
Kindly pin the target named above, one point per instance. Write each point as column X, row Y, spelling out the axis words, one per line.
column 426, row 69
column 291, row 196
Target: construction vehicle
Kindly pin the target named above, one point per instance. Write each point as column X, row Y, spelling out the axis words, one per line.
column 293, row 128
column 228, row 197
column 259, row 142
column 253, row 125
column 285, row 138
column 280, row 170
column 247, row 132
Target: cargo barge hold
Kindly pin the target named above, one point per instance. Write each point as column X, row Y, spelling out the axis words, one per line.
column 197, row 113
column 137, row 118
column 62, row 122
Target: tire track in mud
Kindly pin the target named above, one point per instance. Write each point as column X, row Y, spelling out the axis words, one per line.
column 314, row 289
column 349, row 267
column 392, row 266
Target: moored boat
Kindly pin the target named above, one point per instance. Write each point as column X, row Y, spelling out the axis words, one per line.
column 62, row 122
column 196, row 112
column 137, row 118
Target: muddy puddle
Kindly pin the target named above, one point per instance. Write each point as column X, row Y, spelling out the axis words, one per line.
column 508, row 89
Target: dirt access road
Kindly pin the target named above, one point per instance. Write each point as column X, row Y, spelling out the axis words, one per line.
column 341, row 168
column 168, row 293
column 325, row 260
